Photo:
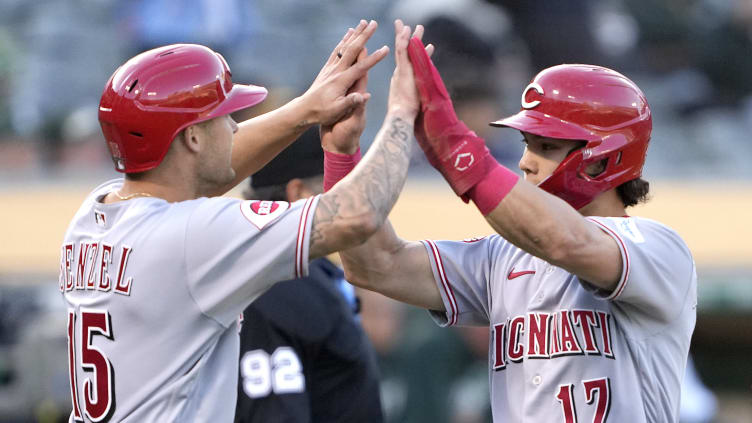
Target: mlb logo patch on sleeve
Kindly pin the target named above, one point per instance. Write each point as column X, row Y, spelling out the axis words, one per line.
column 628, row 228
column 262, row 213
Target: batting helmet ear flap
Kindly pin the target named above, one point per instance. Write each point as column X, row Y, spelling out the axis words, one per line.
column 571, row 181
column 608, row 149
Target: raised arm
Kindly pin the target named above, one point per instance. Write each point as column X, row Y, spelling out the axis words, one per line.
column 348, row 214
column 385, row 263
column 357, row 206
column 328, row 100
column 525, row 215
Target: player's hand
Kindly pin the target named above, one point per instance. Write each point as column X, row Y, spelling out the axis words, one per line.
column 330, row 98
column 403, row 94
column 343, row 136
column 449, row 145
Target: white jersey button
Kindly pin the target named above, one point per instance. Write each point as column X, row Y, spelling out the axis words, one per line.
column 549, row 269
column 537, row 380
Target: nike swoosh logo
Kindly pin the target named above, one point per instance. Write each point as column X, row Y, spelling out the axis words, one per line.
column 512, row 274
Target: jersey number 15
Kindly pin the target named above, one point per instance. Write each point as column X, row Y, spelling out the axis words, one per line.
column 99, row 395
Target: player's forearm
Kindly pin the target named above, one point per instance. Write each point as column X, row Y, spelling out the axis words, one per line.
column 357, row 206
column 531, row 220
column 548, row 228
column 393, row 267
column 367, row 265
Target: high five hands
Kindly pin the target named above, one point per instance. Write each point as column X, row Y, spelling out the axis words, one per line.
column 343, row 135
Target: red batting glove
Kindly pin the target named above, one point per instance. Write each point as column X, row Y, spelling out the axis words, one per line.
column 450, row 146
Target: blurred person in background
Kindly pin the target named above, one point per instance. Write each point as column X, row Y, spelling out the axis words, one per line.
column 33, row 372
column 304, row 356
column 7, row 58
column 413, row 388
column 695, row 56
column 293, row 36
column 697, row 45
column 698, row 403
column 219, row 24
column 390, row 329
column 554, row 31
column 447, row 380
column 63, row 46
column 471, row 67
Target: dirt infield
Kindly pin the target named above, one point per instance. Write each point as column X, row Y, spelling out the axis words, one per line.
column 713, row 219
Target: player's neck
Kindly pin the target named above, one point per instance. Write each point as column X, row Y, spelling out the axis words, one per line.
column 605, row 205
column 170, row 183
column 155, row 189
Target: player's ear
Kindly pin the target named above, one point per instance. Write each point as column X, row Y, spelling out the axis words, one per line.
column 192, row 137
column 296, row 189
column 595, row 169
column 248, row 193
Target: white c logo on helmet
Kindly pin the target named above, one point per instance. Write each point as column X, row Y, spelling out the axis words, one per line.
column 530, row 104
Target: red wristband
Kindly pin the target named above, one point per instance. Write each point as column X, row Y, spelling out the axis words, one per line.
column 337, row 166
column 488, row 193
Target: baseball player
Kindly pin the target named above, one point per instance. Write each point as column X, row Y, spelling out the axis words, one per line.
column 590, row 311
column 304, row 356
column 156, row 271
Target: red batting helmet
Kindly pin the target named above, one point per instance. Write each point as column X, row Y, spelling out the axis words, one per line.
column 593, row 104
column 157, row 94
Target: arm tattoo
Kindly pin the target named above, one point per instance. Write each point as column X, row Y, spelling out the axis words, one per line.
column 302, row 126
column 373, row 189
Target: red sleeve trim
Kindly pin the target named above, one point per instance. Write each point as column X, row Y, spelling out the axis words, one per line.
column 625, row 273
column 444, row 281
column 299, row 247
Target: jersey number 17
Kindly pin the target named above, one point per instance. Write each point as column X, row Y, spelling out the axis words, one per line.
column 601, row 387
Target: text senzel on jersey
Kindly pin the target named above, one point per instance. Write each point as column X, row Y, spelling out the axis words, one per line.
column 89, row 266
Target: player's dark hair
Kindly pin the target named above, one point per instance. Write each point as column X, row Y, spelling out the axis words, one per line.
column 137, row 176
column 634, row 192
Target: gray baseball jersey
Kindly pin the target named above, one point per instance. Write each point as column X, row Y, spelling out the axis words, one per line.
column 154, row 291
column 561, row 350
